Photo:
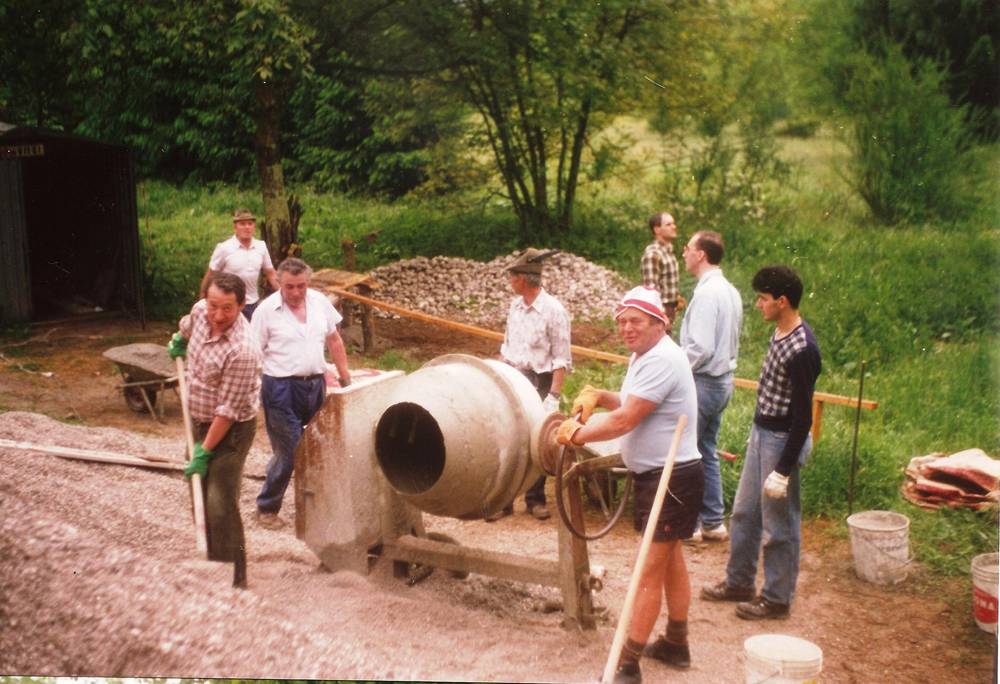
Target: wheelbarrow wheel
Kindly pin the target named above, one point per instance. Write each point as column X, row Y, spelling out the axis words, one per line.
column 133, row 397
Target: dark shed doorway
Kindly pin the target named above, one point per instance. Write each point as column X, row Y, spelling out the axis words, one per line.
column 69, row 236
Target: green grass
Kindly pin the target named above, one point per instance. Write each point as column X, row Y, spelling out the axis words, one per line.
column 918, row 303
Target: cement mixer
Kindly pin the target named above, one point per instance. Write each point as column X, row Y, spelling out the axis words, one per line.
column 461, row 437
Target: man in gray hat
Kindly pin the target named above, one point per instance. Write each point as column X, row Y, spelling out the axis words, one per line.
column 537, row 343
column 245, row 257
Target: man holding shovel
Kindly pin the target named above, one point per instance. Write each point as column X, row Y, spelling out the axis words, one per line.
column 223, row 380
column 657, row 391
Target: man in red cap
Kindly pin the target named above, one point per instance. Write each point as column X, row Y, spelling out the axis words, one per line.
column 658, row 388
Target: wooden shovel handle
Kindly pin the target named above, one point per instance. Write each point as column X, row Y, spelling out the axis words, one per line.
column 197, row 502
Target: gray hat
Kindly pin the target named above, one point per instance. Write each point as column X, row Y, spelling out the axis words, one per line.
column 243, row 215
column 530, row 261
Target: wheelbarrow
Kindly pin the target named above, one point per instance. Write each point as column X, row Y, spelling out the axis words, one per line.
column 147, row 371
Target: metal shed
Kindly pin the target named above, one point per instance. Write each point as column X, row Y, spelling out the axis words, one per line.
column 69, row 236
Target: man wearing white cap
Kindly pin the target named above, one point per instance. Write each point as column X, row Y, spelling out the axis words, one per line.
column 245, row 257
column 658, row 388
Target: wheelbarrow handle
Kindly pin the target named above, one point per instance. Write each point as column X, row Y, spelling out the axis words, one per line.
column 197, row 499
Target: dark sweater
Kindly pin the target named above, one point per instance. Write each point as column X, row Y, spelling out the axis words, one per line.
column 785, row 390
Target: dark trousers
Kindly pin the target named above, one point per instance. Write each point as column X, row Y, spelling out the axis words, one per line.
column 543, row 384
column 248, row 309
column 221, row 490
column 289, row 405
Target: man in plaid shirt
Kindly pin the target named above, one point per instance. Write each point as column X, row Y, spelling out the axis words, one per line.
column 767, row 504
column 223, row 377
column 659, row 265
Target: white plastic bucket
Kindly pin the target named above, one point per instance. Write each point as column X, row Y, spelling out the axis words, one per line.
column 781, row 659
column 985, row 578
column 880, row 544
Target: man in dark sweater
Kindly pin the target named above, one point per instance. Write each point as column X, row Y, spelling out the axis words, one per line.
column 767, row 504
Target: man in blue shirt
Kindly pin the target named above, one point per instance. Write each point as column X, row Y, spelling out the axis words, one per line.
column 710, row 336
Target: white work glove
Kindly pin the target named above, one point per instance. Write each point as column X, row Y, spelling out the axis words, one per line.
column 776, row 485
column 550, row 403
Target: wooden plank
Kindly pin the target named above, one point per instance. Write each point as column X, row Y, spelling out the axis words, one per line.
column 91, row 455
column 463, row 327
column 818, row 396
column 466, row 559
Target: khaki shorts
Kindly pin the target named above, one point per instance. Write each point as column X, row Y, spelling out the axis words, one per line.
column 681, row 505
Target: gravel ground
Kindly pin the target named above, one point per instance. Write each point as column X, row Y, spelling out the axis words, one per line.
column 99, row 577
column 477, row 293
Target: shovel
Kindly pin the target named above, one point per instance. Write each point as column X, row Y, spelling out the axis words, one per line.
column 197, row 502
column 647, row 538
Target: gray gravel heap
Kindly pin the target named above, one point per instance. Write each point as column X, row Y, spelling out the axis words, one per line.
column 477, row 293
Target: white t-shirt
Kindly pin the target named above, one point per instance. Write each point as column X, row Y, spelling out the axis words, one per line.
column 663, row 376
column 230, row 256
column 290, row 347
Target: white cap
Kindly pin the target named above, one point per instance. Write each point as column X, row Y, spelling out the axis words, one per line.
column 645, row 299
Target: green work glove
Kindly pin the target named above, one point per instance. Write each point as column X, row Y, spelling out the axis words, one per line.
column 178, row 346
column 199, row 462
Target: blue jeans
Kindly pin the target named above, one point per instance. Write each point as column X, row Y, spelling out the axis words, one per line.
column 289, row 404
column 755, row 516
column 713, row 397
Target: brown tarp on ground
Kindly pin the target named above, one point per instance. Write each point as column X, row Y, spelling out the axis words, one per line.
column 965, row 479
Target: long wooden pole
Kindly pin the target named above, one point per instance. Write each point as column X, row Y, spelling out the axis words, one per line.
column 647, row 539
column 197, row 501
column 93, row 455
column 584, row 352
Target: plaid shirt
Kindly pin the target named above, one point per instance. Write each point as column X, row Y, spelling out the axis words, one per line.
column 660, row 272
column 223, row 372
column 785, row 390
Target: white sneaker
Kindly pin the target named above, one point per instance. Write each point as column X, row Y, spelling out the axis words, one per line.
column 715, row 533
column 695, row 538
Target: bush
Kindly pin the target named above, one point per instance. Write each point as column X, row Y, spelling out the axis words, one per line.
column 909, row 144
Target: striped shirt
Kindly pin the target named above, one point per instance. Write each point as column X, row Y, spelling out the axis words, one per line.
column 660, row 272
column 785, row 390
column 223, row 372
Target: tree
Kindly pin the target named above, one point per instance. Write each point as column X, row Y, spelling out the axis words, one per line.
column 542, row 76
column 962, row 36
column 270, row 47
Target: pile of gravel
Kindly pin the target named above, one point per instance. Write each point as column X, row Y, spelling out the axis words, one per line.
column 477, row 293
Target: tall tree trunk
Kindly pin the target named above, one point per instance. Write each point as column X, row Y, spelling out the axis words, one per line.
column 278, row 232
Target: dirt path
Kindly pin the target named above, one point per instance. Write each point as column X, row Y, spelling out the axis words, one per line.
column 99, row 575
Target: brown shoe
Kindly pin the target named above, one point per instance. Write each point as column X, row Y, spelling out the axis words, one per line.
column 761, row 609
column 269, row 521
column 723, row 592
column 502, row 513
column 674, row 655
column 628, row 673
column 540, row 512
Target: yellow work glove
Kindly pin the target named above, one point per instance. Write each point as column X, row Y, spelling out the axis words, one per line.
column 566, row 431
column 585, row 402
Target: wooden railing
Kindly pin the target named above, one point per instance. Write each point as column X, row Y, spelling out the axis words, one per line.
column 820, row 399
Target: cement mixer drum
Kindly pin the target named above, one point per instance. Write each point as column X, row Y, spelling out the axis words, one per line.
column 456, row 438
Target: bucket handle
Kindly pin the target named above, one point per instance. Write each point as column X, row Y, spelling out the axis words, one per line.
column 883, row 552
